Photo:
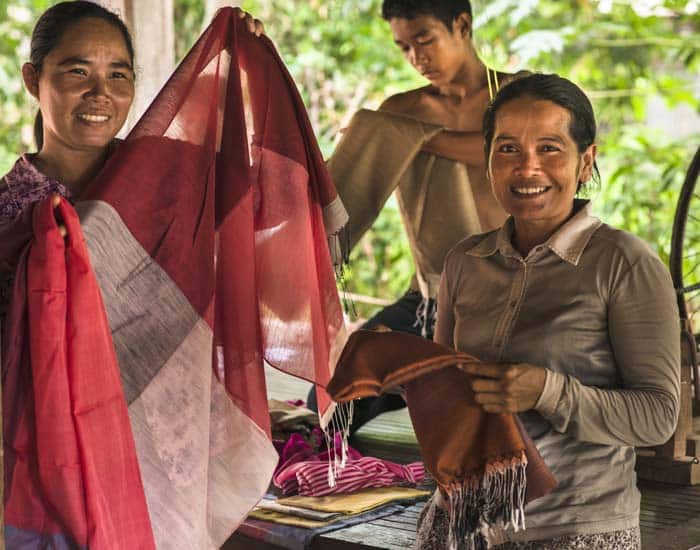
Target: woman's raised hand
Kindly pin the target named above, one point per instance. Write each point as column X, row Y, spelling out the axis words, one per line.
column 252, row 24
column 56, row 200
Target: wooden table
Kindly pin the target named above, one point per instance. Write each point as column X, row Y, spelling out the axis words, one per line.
column 669, row 517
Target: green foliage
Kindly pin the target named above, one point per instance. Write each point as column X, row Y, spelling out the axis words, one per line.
column 16, row 107
column 188, row 19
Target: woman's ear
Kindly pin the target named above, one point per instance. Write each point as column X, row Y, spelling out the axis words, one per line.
column 587, row 163
column 31, row 79
column 488, row 168
column 463, row 25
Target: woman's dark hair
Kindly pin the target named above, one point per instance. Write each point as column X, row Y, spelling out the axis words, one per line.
column 444, row 10
column 554, row 88
column 51, row 27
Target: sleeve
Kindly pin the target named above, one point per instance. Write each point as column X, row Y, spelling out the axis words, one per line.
column 15, row 234
column 445, row 323
column 644, row 332
column 367, row 165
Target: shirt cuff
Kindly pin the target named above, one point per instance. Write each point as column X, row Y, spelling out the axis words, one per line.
column 551, row 394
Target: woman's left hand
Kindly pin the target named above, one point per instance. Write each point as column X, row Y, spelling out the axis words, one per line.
column 252, row 24
column 506, row 387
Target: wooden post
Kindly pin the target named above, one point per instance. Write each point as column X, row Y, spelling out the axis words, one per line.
column 152, row 31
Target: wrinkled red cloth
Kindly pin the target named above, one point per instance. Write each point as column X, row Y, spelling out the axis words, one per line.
column 71, row 470
column 223, row 184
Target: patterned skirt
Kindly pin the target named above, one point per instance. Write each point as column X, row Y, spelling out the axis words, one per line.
column 433, row 527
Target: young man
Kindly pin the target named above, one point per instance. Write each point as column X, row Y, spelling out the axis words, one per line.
column 425, row 144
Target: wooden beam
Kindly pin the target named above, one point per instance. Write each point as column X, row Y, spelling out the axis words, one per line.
column 152, row 30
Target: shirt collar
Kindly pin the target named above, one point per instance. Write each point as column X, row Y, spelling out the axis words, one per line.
column 568, row 242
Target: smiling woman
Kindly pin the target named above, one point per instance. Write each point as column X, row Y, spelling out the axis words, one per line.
column 81, row 73
column 575, row 323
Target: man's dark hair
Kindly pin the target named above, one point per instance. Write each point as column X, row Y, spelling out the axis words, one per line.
column 549, row 87
column 444, row 10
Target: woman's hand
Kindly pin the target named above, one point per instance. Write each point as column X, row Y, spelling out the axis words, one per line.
column 56, row 200
column 252, row 24
column 506, row 387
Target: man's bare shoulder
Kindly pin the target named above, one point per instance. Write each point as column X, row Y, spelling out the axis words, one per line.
column 406, row 103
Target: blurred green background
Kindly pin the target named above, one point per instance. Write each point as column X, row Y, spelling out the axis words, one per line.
column 638, row 61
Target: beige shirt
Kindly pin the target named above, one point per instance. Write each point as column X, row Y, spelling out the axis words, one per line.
column 441, row 201
column 596, row 308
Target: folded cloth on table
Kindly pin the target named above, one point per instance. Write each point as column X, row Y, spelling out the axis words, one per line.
column 284, row 518
column 313, row 512
column 485, row 464
column 273, row 505
column 355, row 502
column 298, row 538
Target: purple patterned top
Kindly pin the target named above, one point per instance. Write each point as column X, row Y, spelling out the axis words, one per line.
column 19, row 188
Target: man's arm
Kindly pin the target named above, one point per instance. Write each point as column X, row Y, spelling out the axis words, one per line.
column 465, row 147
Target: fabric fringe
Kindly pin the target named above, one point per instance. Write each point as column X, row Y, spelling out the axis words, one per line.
column 339, row 248
column 337, row 434
column 495, row 499
column 426, row 315
column 335, row 220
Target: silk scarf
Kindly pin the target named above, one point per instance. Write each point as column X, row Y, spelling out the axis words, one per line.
column 207, row 233
column 485, row 464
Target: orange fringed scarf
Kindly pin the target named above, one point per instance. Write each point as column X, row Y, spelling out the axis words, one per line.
column 485, row 464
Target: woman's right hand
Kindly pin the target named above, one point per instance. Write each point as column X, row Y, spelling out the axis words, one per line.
column 56, row 200
column 506, row 387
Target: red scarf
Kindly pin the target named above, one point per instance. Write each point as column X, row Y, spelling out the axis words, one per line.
column 207, row 234
column 70, row 464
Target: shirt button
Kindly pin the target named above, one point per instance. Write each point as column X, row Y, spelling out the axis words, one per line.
column 513, row 303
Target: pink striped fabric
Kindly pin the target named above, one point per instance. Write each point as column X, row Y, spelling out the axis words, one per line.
column 310, row 478
column 305, row 471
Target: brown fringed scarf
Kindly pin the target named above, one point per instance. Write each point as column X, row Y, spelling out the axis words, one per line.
column 485, row 464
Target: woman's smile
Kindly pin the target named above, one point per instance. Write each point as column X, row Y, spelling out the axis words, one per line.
column 529, row 191
column 92, row 118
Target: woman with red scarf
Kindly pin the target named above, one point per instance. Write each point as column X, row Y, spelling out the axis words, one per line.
column 134, row 403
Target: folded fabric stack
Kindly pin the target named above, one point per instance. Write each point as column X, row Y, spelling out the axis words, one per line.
column 315, row 512
column 294, row 522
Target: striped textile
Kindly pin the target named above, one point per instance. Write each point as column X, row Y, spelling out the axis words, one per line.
column 311, row 478
column 207, row 233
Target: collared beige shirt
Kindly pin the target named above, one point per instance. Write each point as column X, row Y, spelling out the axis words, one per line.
column 596, row 308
